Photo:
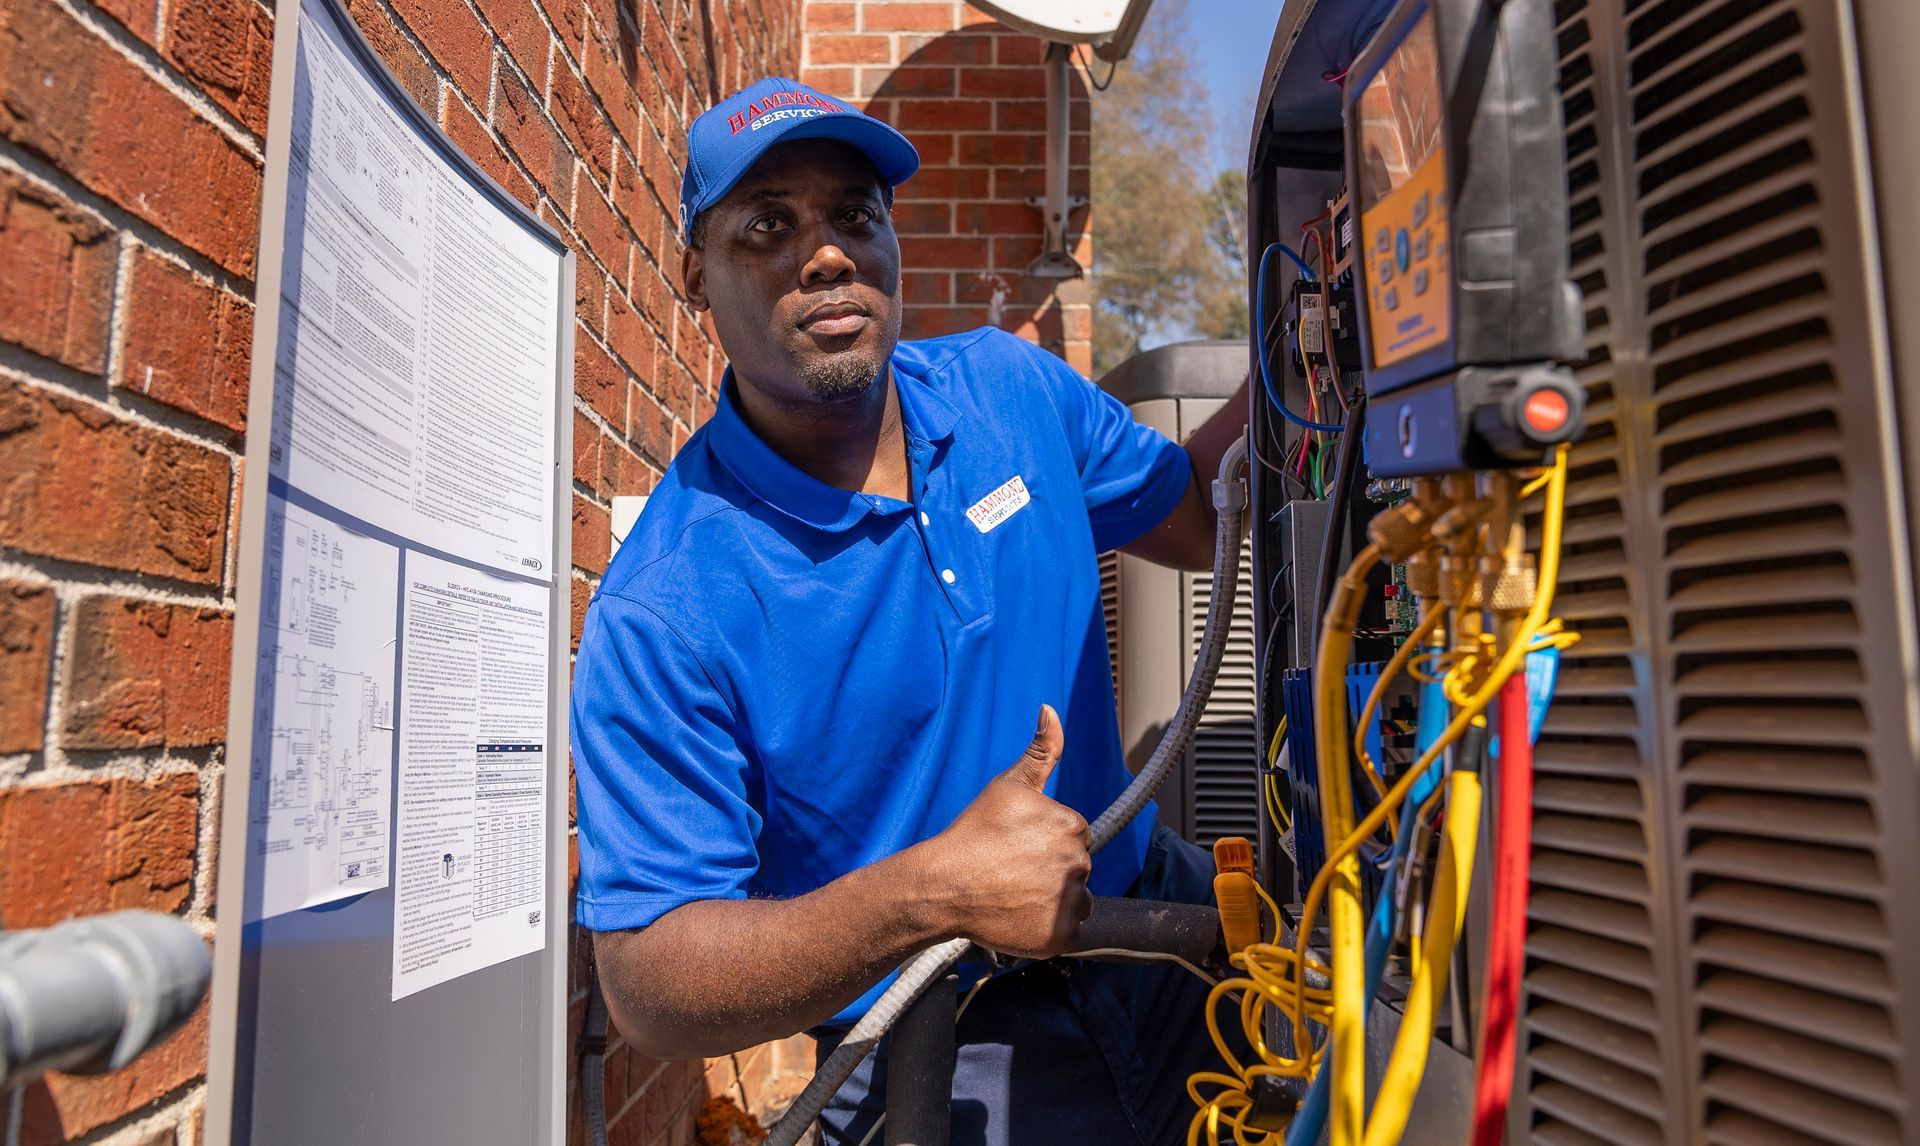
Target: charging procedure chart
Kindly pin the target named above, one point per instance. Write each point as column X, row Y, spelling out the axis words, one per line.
column 407, row 595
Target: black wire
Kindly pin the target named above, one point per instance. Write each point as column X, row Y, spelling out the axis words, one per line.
column 1345, row 466
column 1265, row 725
column 1305, row 493
column 1113, row 66
column 1262, row 459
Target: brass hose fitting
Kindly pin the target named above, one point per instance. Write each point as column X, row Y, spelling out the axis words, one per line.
column 1506, row 570
column 1423, row 566
column 1461, row 586
column 1458, row 532
column 1514, row 587
column 1455, row 528
column 1400, row 531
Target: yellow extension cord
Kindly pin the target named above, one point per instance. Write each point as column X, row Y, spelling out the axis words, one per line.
column 1264, row 985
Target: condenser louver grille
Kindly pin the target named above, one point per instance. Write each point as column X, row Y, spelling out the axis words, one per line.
column 1597, row 1036
column 1762, row 438
column 1226, row 789
column 1728, row 769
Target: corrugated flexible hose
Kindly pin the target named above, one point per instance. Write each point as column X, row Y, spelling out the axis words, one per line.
column 926, row 968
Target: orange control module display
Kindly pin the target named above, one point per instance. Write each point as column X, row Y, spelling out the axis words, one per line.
column 1402, row 177
column 1409, row 271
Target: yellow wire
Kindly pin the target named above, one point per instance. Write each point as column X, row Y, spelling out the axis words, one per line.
column 1273, row 912
column 1274, row 809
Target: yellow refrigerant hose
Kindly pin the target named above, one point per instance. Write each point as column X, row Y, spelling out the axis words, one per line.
column 1277, row 976
column 1348, row 1029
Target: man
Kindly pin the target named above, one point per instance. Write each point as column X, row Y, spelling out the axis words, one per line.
column 844, row 693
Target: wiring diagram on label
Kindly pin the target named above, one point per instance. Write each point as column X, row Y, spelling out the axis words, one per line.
column 323, row 760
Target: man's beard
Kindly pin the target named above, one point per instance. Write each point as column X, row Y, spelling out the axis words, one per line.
column 841, row 377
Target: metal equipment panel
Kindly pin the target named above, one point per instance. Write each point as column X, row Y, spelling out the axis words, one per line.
column 313, row 1038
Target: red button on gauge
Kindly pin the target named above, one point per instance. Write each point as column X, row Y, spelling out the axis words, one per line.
column 1546, row 411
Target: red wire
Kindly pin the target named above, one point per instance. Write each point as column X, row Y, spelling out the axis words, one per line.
column 1507, row 930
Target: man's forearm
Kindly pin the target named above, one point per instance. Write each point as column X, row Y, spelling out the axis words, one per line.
column 1185, row 539
column 1010, row 873
column 1208, row 444
column 714, row 976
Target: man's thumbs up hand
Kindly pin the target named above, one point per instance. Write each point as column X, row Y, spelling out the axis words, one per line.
column 1043, row 752
column 1011, row 871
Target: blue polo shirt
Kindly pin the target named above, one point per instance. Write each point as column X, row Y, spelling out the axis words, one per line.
column 780, row 681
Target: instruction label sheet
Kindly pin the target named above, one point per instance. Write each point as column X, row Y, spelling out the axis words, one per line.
column 473, row 774
column 401, row 728
column 418, row 328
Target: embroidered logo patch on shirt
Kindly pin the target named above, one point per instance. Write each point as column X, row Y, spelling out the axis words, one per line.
column 999, row 505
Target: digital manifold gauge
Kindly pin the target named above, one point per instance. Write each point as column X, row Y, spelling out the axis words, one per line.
column 1456, row 160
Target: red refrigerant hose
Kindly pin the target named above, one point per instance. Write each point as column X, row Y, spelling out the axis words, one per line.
column 1507, row 933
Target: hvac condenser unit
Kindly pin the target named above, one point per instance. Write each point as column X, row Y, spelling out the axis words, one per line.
column 1724, row 930
column 1155, row 615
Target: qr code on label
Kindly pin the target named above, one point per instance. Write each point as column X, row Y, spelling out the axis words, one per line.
column 533, row 919
column 353, row 871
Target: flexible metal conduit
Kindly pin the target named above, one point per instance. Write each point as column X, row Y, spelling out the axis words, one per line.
column 1230, row 500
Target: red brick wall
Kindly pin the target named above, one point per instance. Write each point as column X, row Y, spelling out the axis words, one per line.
column 131, row 153
column 130, row 167
column 970, row 94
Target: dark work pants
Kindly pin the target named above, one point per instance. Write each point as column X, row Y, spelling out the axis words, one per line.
column 1095, row 1053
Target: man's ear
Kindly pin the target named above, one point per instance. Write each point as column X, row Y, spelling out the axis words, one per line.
column 693, row 275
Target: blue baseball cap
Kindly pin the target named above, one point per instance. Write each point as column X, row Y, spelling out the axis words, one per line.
column 731, row 136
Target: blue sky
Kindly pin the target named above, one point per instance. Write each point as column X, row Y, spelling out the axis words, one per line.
column 1230, row 39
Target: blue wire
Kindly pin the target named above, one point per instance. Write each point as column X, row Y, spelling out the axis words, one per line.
column 1260, row 314
column 1305, row 268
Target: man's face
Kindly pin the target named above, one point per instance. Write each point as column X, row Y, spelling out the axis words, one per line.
column 801, row 268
